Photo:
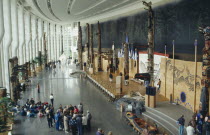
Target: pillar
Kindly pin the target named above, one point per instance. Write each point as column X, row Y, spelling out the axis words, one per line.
column 8, row 40
column 15, row 41
column 126, row 59
column 55, row 43
column 49, row 43
column 62, row 40
column 80, row 46
column 28, row 35
column 99, row 48
column 21, row 35
column 1, row 37
column 33, row 31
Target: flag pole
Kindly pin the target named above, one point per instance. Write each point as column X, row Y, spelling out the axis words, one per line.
column 195, row 44
column 165, row 70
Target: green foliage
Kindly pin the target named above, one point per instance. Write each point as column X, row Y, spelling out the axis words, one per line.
column 5, row 116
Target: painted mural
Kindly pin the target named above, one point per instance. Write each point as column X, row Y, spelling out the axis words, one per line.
column 188, row 78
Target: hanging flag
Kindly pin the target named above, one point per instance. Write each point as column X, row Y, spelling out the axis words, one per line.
column 136, row 54
column 129, row 52
column 119, row 55
column 132, row 52
column 126, row 38
column 196, row 42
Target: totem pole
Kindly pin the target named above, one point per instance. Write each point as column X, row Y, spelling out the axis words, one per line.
column 79, row 44
column 88, row 42
column 99, row 47
column 150, row 49
column 126, row 59
column 114, row 57
column 205, row 82
column 91, row 44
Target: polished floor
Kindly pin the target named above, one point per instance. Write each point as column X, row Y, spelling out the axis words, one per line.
column 70, row 90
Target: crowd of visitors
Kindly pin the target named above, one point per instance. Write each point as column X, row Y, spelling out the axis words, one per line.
column 197, row 125
column 69, row 118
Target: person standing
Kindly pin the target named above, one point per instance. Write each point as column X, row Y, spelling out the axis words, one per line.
column 38, row 88
column 51, row 99
column 89, row 117
column 181, row 122
column 84, row 123
column 79, row 124
column 80, row 108
column 159, row 84
column 208, row 127
column 65, row 121
column 110, row 77
column 199, row 121
column 190, row 130
column 57, row 122
column 49, row 120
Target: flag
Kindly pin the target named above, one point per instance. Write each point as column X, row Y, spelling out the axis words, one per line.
column 126, row 38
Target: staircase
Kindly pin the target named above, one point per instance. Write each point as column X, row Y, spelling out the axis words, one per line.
column 162, row 119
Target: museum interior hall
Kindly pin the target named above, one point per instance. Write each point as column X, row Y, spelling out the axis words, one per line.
column 105, row 67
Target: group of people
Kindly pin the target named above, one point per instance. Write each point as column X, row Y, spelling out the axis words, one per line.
column 69, row 118
column 196, row 125
column 73, row 119
column 31, row 108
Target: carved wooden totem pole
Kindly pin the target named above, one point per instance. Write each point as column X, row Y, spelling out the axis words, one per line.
column 99, row 47
column 79, row 44
column 150, row 49
column 91, row 44
column 205, row 82
column 126, row 59
column 114, row 57
column 88, row 43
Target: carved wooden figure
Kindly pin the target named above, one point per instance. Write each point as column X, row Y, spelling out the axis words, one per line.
column 99, row 47
column 150, row 49
column 79, row 44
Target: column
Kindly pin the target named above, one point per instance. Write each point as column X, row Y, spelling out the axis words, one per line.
column 15, row 41
column 8, row 40
column 49, row 42
column 21, row 34
column 52, row 42
column 27, row 36
column 1, row 37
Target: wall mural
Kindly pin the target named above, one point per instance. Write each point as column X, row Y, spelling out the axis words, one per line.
column 188, row 79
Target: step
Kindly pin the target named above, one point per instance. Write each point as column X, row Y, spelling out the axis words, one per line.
column 165, row 121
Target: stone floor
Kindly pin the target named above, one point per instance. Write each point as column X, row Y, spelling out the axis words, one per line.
column 70, row 90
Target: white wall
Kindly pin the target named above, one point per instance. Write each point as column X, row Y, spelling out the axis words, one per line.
column 143, row 63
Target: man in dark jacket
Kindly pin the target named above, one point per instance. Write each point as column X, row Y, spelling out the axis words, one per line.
column 181, row 122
